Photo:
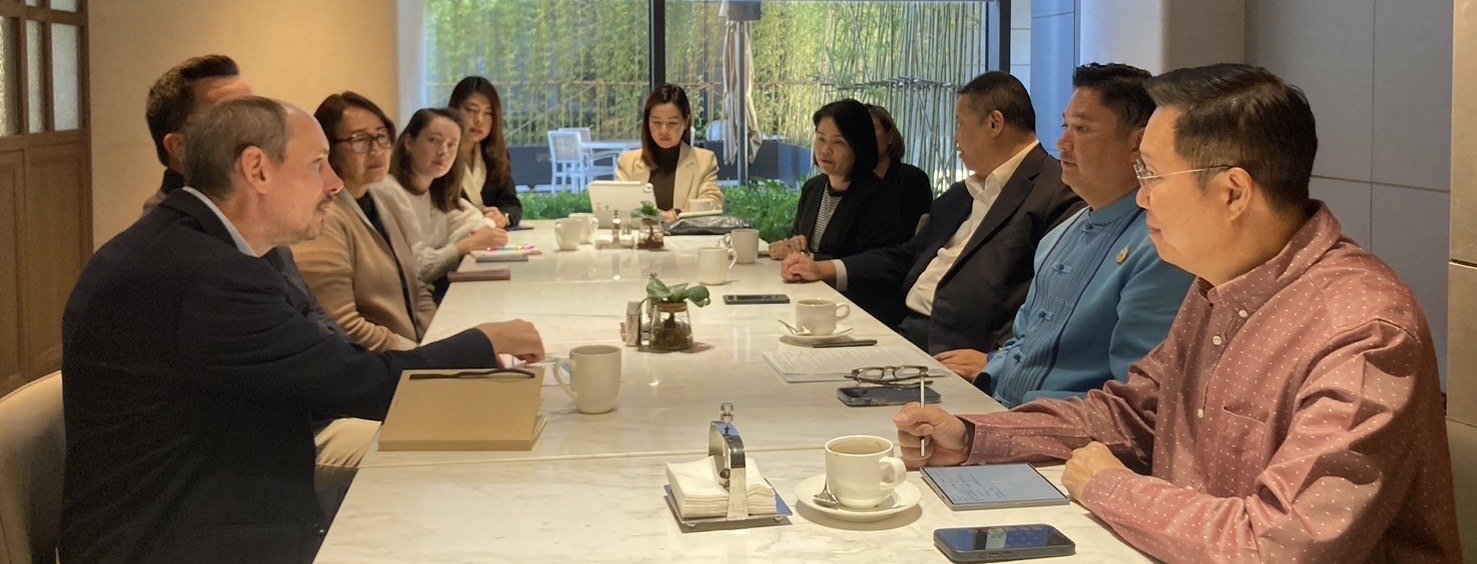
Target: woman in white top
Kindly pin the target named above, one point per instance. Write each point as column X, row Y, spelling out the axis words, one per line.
column 487, row 172
column 682, row 177
column 424, row 193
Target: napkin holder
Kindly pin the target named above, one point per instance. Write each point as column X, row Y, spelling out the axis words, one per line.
column 726, row 449
column 464, row 410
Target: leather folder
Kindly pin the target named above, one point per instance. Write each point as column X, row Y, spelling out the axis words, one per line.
column 478, row 409
column 480, row 274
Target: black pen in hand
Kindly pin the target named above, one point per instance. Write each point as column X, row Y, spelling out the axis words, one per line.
column 847, row 343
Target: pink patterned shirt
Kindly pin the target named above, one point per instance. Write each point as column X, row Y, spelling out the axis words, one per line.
column 1293, row 415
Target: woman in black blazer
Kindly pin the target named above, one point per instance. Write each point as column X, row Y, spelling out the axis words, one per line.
column 847, row 209
column 914, row 191
column 487, row 171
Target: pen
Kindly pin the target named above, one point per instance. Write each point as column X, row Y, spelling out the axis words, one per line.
column 922, row 401
column 847, row 343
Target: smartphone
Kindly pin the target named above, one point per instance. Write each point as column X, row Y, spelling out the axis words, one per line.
column 998, row 544
column 742, row 299
column 863, row 396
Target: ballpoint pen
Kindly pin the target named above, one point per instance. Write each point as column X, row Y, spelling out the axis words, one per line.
column 922, row 401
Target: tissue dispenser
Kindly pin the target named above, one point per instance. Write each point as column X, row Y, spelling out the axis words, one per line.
column 726, row 448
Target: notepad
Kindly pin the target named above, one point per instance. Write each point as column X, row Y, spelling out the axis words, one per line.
column 833, row 365
column 993, row 486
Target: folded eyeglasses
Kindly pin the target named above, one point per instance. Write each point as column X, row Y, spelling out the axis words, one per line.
column 891, row 376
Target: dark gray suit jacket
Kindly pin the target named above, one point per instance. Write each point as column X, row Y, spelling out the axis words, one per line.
column 193, row 376
column 976, row 300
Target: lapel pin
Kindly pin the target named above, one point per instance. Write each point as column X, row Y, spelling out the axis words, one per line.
column 1122, row 255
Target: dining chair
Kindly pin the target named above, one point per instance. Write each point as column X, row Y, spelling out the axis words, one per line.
column 32, row 459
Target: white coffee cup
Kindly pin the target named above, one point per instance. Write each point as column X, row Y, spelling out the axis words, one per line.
column 594, row 377
column 745, row 242
column 861, row 470
column 713, row 264
column 587, row 234
column 820, row 316
column 567, row 233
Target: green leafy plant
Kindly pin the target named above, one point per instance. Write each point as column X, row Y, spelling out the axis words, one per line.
column 768, row 205
column 650, row 213
column 553, row 205
column 661, row 293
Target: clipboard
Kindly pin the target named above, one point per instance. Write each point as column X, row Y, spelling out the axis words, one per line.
column 464, row 410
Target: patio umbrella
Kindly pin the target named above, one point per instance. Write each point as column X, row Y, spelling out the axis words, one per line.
column 741, row 138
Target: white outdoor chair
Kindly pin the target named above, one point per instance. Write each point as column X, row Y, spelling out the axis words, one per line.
column 567, row 160
column 592, row 156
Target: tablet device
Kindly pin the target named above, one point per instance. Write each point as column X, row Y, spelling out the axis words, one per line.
column 992, row 486
column 618, row 198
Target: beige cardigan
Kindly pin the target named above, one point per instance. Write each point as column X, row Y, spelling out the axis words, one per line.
column 353, row 273
column 695, row 187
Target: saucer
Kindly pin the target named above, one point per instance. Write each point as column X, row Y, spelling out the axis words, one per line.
column 903, row 498
column 813, row 339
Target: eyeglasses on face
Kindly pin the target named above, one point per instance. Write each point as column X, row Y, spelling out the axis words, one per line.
column 360, row 142
column 890, row 376
column 1147, row 180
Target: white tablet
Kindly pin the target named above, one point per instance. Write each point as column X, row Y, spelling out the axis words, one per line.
column 992, row 486
column 611, row 197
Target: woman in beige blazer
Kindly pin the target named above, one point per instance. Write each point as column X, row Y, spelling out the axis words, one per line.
column 683, row 177
column 361, row 268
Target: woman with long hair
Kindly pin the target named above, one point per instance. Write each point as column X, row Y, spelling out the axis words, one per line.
column 682, row 177
column 486, row 167
column 910, row 182
column 424, row 191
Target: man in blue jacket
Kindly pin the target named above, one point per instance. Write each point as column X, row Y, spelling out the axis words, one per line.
column 1101, row 298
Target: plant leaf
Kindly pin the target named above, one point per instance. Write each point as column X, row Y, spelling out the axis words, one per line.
column 657, row 291
column 698, row 295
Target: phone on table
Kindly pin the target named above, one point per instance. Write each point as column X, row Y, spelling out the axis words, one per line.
column 863, row 396
column 744, row 299
column 1002, row 543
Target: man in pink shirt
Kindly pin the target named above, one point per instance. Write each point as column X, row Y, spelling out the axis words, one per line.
column 1294, row 413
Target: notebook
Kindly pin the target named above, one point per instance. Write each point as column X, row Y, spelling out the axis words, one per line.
column 493, row 273
column 992, row 486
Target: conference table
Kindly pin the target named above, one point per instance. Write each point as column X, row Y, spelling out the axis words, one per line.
column 591, row 488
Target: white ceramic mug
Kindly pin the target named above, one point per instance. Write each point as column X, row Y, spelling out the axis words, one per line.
column 713, row 264
column 820, row 316
column 745, row 242
column 594, row 377
column 861, row 470
column 587, row 234
column 567, row 233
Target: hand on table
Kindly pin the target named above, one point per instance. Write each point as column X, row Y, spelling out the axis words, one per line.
column 516, row 337
column 669, row 216
column 801, row 267
column 948, row 440
column 498, row 218
column 779, row 250
column 486, row 238
column 1085, row 463
column 967, row 363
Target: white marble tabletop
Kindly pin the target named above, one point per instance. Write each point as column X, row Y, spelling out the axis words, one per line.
column 590, row 489
column 612, row 510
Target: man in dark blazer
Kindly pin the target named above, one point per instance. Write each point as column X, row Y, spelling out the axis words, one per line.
column 959, row 281
column 194, row 372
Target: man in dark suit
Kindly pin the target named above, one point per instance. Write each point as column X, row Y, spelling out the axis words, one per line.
column 194, row 372
column 959, row 281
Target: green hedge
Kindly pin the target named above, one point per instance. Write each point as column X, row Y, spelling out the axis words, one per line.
column 769, row 205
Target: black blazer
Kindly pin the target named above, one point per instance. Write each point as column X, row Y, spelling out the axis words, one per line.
column 915, row 192
column 866, row 218
column 503, row 196
column 193, row 375
column 976, row 301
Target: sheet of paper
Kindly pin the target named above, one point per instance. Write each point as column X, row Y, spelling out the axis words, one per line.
column 832, row 365
column 995, row 483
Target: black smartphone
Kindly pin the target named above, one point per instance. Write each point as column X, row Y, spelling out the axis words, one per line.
column 743, row 299
column 863, row 396
column 998, row 544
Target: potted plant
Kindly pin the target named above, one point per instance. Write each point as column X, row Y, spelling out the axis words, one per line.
column 650, row 236
column 671, row 328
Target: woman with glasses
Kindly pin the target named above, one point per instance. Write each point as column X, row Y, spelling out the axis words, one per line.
column 486, row 167
column 424, row 192
column 910, row 182
column 682, row 177
column 361, row 268
column 846, row 209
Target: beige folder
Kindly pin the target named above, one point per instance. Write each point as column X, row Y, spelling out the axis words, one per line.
column 480, row 274
column 477, row 409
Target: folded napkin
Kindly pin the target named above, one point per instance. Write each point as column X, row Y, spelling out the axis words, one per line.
column 695, row 485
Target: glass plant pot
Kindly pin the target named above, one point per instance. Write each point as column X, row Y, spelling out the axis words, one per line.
column 650, row 235
column 671, row 328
